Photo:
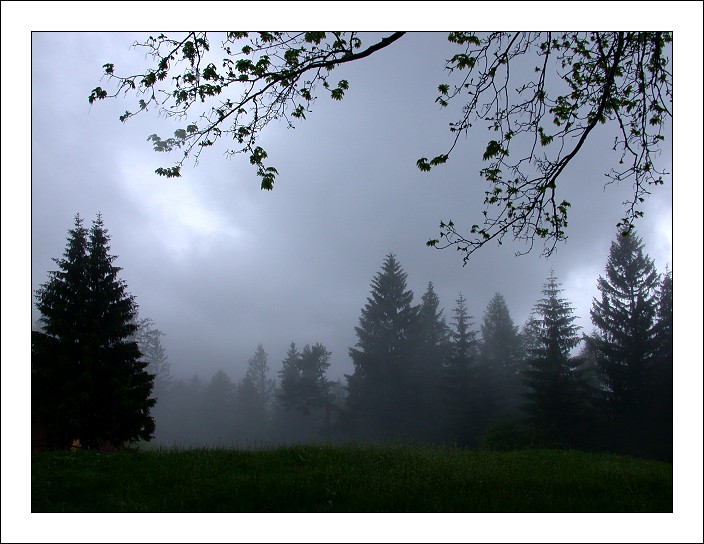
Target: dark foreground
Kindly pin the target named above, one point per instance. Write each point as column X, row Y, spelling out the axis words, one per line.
column 348, row 479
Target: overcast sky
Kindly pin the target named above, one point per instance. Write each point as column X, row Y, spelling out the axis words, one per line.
column 220, row 265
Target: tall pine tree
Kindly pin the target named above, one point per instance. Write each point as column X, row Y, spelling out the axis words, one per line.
column 661, row 377
column 88, row 382
column 557, row 392
column 255, row 395
column 458, row 375
column 379, row 388
column 431, row 343
column 304, row 387
column 148, row 338
column 498, row 383
column 289, row 379
column 623, row 343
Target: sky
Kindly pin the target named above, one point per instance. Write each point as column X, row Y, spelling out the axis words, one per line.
column 220, row 265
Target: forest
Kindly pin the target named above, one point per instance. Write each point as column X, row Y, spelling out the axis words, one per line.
column 419, row 375
column 423, row 376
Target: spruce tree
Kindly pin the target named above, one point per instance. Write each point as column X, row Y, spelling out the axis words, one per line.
column 148, row 338
column 304, row 387
column 497, row 384
column 557, row 401
column 431, row 339
column 255, row 395
column 289, row 378
column 314, row 392
column 379, row 386
column 661, row 377
column 88, row 380
column 305, row 399
column 623, row 343
column 458, row 374
column 314, row 387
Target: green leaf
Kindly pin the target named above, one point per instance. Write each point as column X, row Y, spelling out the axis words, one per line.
column 493, row 148
column 314, row 37
column 173, row 172
column 423, row 165
column 440, row 159
column 97, row 94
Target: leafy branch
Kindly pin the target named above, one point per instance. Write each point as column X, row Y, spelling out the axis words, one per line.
column 599, row 77
column 269, row 70
column 537, row 125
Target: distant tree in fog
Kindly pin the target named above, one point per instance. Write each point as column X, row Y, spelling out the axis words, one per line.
column 304, row 387
column 255, row 394
column 148, row 338
column 290, row 378
column 431, row 345
column 497, row 383
column 217, row 410
column 307, row 404
column 458, row 374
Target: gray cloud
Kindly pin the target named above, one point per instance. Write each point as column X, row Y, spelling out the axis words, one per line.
column 221, row 265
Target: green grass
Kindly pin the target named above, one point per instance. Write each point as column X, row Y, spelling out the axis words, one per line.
column 348, row 478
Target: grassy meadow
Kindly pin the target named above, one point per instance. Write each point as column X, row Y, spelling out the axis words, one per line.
column 348, row 478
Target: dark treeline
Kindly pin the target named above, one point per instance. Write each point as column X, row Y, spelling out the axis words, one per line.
column 421, row 376
column 101, row 377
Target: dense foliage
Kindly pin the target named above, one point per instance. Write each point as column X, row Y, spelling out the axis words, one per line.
column 89, row 382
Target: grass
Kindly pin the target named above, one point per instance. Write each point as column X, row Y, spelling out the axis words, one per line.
column 350, row 478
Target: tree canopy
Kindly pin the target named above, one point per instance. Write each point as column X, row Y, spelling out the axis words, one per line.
column 537, row 123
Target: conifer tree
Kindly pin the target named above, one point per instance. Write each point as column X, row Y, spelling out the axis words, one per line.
column 289, row 378
column 304, row 387
column 431, row 339
column 256, row 388
column 458, row 374
column 379, row 387
column 661, row 382
column 623, row 343
column 148, row 338
column 314, row 386
column 557, row 401
column 305, row 399
column 89, row 382
column 497, row 383
column 664, row 326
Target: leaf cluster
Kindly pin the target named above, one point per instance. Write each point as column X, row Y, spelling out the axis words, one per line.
column 266, row 76
column 581, row 80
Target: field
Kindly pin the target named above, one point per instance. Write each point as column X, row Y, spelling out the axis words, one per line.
column 348, row 478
